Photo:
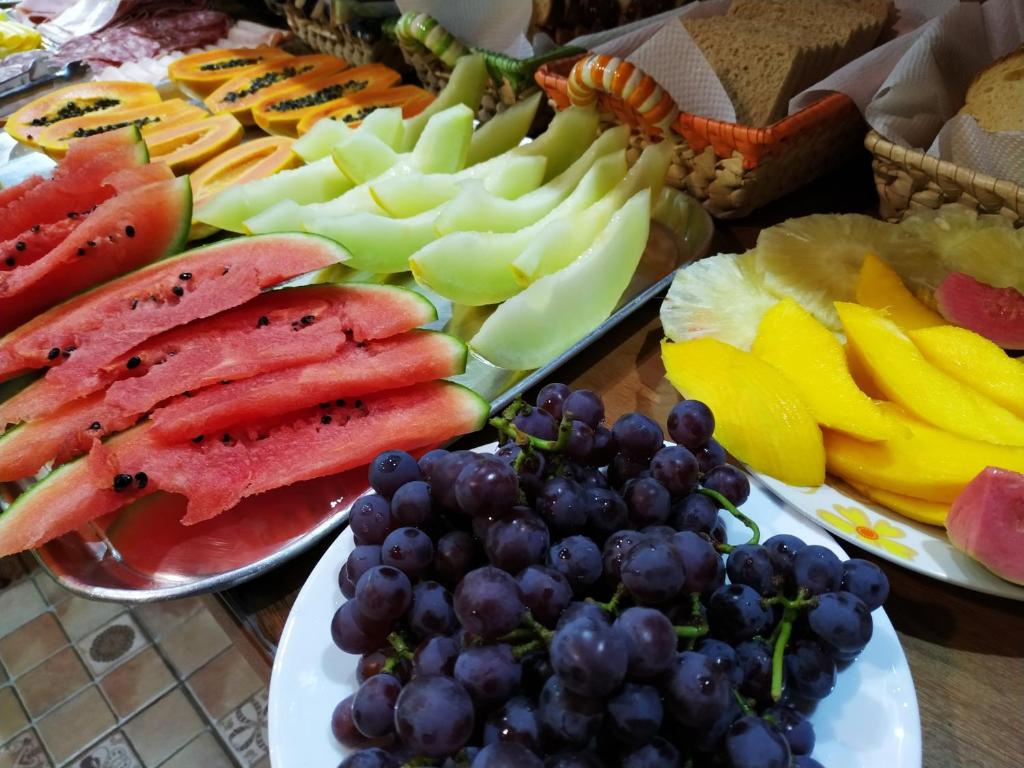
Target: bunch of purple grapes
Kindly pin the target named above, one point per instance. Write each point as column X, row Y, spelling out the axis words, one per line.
column 565, row 602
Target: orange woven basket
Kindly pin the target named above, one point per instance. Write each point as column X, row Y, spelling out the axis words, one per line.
column 733, row 169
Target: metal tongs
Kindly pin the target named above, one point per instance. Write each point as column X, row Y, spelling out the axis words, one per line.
column 41, row 72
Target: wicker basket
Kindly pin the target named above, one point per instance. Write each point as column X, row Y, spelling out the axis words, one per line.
column 564, row 20
column 908, row 178
column 312, row 23
column 432, row 51
column 733, row 169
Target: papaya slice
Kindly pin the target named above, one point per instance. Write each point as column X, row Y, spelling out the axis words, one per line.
column 352, row 109
column 75, row 101
column 280, row 114
column 204, row 72
column 188, row 145
column 241, row 93
column 55, row 139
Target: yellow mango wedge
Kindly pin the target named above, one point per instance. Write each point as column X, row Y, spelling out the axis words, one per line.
column 809, row 355
column 906, row 377
column 930, row 464
column 880, row 287
column 760, row 417
column 975, row 361
column 921, row 510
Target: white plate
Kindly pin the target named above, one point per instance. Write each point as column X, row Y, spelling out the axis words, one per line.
column 870, row 720
column 918, row 547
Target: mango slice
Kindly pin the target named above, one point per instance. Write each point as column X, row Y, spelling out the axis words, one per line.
column 880, row 287
column 759, row 415
column 903, row 374
column 930, row 464
column 809, row 355
column 975, row 361
column 921, row 510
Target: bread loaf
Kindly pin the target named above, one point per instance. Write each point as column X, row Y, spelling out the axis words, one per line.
column 995, row 97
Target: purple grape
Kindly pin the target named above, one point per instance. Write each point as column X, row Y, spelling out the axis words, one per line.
column 657, row 753
column 648, row 501
column 653, row 572
column 623, row 469
column 573, row 760
column 723, row 656
column 373, row 708
column 546, row 593
column 551, row 398
column 504, row 754
column 489, row 673
column 691, row 424
column 750, row 564
column 384, row 594
column 361, row 559
column 581, row 441
column 718, row 533
column 730, row 482
column 487, row 488
column 370, row 519
column 566, row 716
column 391, row 470
column 810, row 671
column 635, row 713
column 560, row 503
column 589, row 477
column 754, row 659
column 434, row 716
column 604, row 449
column 585, row 405
column 675, row 468
column 516, row 721
column 456, row 555
column 578, row 559
column 375, row 757
column 710, row 456
column 616, row 547
column 537, row 423
column 817, row 569
column 517, row 540
column 431, row 612
column 696, row 513
column 781, row 549
column 663, row 532
column 842, row 622
column 348, row 587
column 865, row 580
column 795, row 728
column 536, row 671
column 435, row 656
column 590, row 657
column 703, row 563
column 354, row 633
column 711, row 740
column 755, row 743
column 445, row 472
column 804, row 761
column 651, row 642
column 489, row 603
column 370, row 664
column 735, row 613
column 409, row 550
column 697, row 693
column 638, row 437
column 429, row 460
column 412, row 504
column 585, row 610
column 531, row 469
column 343, row 728
column 606, row 512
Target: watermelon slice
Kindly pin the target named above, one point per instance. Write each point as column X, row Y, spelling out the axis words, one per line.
column 93, row 328
column 10, row 194
column 78, row 183
column 357, row 369
column 215, row 474
column 36, row 241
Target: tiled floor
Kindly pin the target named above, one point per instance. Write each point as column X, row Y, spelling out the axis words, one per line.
column 99, row 685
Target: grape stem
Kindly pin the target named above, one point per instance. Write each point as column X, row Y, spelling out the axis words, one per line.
column 744, row 702
column 693, row 631
column 390, row 664
column 506, row 428
column 613, row 605
column 542, row 632
column 728, row 506
column 400, row 645
column 790, row 611
column 526, row 649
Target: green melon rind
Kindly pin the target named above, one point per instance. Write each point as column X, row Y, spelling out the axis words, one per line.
column 141, row 150
column 23, row 502
column 396, row 292
column 185, row 220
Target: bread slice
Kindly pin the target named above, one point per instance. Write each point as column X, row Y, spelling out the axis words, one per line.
column 995, row 97
column 760, row 64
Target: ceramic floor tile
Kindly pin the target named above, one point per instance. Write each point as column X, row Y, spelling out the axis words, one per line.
column 161, row 618
column 203, row 752
column 25, row 751
column 111, row 644
column 79, row 616
column 74, row 725
column 225, row 683
column 12, row 716
column 31, row 643
column 11, row 569
column 245, row 729
column 194, row 642
column 163, row 728
column 52, row 591
column 19, row 604
column 52, row 682
column 137, row 682
column 112, row 752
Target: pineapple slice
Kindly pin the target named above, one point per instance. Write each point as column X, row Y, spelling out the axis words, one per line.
column 718, row 297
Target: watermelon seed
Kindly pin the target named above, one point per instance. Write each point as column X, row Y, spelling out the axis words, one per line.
column 307, row 319
column 178, row 290
column 53, row 354
column 225, row 270
column 129, row 230
column 95, row 426
column 141, row 480
column 69, row 350
column 325, row 405
column 20, row 245
column 72, row 214
column 134, row 362
column 325, row 419
column 197, row 439
column 359, row 403
column 185, row 276
column 361, row 345
column 135, row 303
column 186, row 393
column 226, row 381
column 81, row 251
column 9, row 261
column 340, row 403
column 35, row 227
column 264, row 320
column 122, row 481
column 226, row 438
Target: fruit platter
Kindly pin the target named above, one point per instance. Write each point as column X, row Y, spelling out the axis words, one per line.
column 494, row 608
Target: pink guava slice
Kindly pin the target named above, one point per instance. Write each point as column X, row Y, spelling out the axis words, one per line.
column 995, row 313
column 987, row 522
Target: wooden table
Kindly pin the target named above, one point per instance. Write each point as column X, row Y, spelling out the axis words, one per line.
column 966, row 650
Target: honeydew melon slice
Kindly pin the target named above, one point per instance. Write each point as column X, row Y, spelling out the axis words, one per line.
column 317, row 143
column 465, row 86
column 558, row 310
column 363, row 157
column 472, row 211
column 504, row 131
column 475, row 268
column 561, row 243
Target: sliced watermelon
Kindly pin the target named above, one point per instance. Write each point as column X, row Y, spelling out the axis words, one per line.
column 93, row 328
column 124, row 233
column 36, row 241
column 10, row 194
column 215, row 475
column 78, row 183
column 357, row 369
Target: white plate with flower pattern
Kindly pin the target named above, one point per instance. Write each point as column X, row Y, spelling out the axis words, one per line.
column 915, row 546
column 873, row 695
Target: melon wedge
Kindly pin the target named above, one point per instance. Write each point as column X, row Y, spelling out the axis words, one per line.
column 975, row 361
column 921, row 510
column 987, row 522
column 902, row 373
column 353, row 110
column 215, row 475
column 760, row 417
column 356, row 370
column 504, row 131
column 880, row 287
column 465, row 87
column 554, row 313
column 111, row 319
column 385, row 124
column 810, row 356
